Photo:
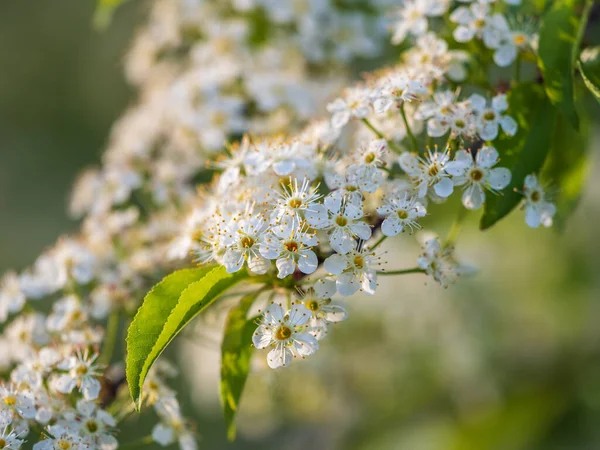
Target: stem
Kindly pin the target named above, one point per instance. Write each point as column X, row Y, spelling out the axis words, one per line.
column 412, row 137
column 517, row 74
column 401, row 272
column 378, row 243
column 142, row 442
column 456, row 227
column 380, row 135
column 110, row 341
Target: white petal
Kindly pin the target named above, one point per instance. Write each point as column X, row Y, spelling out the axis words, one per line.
column 274, row 313
column 409, row 163
column 463, row 34
column 299, row 315
column 306, row 344
column 317, row 216
column 325, row 288
column 369, row 282
column 285, row 167
column 477, row 101
column 341, row 118
column 90, row 387
column 286, row 266
column 444, row 187
column 487, row 157
column 505, row 55
column 509, row 125
column 391, row 226
column 498, row 178
column 347, row 284
column 361, row 229
column 163, row 434
column 532, row 216
column 258, row 265
column 262, row 337
column 334, row 313
column 308, row 262
column 65, row 384
column 335, row 264
column 473, row 197
column 280, row 357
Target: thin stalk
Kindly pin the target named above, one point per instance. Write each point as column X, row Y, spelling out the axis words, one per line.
column 517, row 74
column 110, row 341
column 379, row 242
column 456, row 227
column 380, row 135
column 402, row 272
column 412, row 137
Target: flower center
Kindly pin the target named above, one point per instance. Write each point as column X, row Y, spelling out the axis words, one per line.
column 519, row 39
column 434, row 169
column 369, row 158
column 312, row 305
column 476, row 175
column 351, row 188
column 10, row 400
column 459, row 123
column 295, row 202
column 398, row 92
column 63, row 444
column 81, row 370
column 2, row 443
column 359, row 262
column 341, row 221
column 479, row 23
column 291, row 246
column 283, row 333
column 535, row 196
column 402, row 214
column 91, row 426
column 247, row 242
column 490, row 115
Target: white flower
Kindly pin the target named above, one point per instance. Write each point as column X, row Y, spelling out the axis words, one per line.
column 412, row 17
column 286, row 333
column 438, row 262
column 291, row 247
column 356, row 103
column 317, row 300
column 62, row 438
column 477, row 174
column 397, row 89
column 66, row 312
column 172, row 426
column 401, row 212
column 82, row 373
column 510, row 44
column 342, row 220
column 19, row 401
column 477, row 21
column 491, row 117
column 373, row 154
column 355, row 180
column 243, row 238
column 356, row 270
column 428, row 172
column 538, row 210
column 12, row 298
column 295, row 199
column 9, row 439
column 96, row 425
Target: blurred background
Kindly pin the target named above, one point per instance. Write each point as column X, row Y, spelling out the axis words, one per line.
column 507, row 359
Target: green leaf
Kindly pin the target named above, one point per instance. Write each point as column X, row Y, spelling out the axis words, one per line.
column 236, row 352
column 589, row 67
column 194, row 298
column 567, row 168
column 150, row 320
column 560, row 35
column 523, row 153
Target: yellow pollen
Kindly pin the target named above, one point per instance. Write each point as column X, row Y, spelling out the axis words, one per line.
column 369, row 158
column 10, row 400
column 479, row 23
column 433, row 170
column 2, row 443
column 341, row 221
column 92, row 426
column 519, row 39
column 291, row 246
column 536, row 196
column 312, row 305
column 63, row 444
column 247, row 242
column 295, row 202
column 402, row 214
column 283, row 333
column 460, row 123
column 351, row 188
column 490, row 115
column 359, row 261
column 476, row 175
column 81, row 370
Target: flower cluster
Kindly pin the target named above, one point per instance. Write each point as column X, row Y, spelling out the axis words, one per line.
column 306, row 213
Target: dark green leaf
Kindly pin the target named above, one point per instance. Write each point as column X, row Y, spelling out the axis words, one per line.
column 150, row 320
column 236, row 352
column 104, row 12
column 560, row 36
column 194, row 298
column 523, row 153
column 567, row 167
column 589, row 67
